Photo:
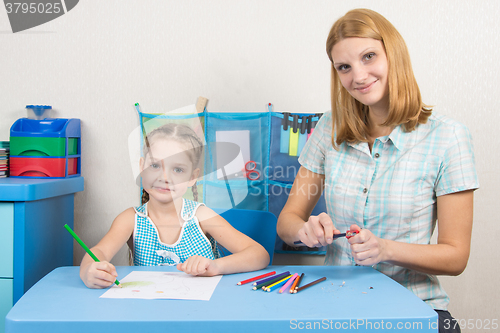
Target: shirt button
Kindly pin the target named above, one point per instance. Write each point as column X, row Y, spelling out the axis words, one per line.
column 377, row 155
column 365, row 190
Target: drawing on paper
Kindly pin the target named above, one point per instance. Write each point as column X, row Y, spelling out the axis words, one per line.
column 164, row 285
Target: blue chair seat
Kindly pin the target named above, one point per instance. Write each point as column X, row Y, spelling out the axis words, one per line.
column 256, row 224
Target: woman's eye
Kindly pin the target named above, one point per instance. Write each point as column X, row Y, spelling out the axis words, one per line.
column 342, row 68
column 369, row 56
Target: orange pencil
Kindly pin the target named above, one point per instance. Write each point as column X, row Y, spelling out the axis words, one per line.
column 298, row 281
column 294, row 284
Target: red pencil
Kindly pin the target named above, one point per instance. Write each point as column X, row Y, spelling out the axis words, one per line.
column 256, row 278
column 309, row 284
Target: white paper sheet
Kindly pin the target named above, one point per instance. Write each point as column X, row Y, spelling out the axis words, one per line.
column 164, row 285
column 242, row 139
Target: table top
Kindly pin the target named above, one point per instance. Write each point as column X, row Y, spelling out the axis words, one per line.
column 28, row 189
column 352, row 298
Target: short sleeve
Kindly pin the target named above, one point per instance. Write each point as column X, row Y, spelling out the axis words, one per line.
column 314, row 152
column 458, row 170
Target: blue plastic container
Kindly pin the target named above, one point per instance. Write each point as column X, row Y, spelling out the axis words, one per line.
column 31, row 135
column 38, row 112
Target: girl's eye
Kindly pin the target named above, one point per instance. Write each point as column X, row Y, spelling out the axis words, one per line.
column 155, row 165
column 178, row 170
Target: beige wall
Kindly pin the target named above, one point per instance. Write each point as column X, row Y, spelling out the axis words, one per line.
column 98, row 60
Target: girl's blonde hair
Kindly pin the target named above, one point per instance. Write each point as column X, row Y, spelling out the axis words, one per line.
column 182, row 134
column 349, row 116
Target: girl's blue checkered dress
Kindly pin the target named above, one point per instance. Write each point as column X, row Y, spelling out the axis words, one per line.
column 192, row 240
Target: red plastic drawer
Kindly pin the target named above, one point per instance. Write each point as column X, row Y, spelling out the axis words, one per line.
column 41, row 167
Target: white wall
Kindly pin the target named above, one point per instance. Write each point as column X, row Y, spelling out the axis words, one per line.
column 99, row 59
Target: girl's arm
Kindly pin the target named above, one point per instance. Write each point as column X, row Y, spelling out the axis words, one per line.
column 448, row 257
column 295, row 222
column 247, row 254
column 102, row 274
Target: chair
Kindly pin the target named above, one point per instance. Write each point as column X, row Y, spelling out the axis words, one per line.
column 256, row 224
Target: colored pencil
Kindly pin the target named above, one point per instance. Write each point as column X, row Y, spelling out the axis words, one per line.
column 267, row 283
column 271, row 278
column 334, row 237
column 256, row 278
column 298, row 281
column 310, row 284
column 85, row 247
column 280, row 282
column 294, row 284
column 288, row 283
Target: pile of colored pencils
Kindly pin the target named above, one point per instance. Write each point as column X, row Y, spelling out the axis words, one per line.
column 284, row 281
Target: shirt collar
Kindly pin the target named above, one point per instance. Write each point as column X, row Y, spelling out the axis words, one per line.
column 397, row 137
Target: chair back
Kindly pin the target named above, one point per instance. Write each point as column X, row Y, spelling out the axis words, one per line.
column 256, row 224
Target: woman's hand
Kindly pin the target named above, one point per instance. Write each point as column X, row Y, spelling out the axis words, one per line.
column 367, row 249
column 99, row 275
column 200, row 266
column 318, row 231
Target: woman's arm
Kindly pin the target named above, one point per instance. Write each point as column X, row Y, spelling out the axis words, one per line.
column 448, row 257
column 295, row 222
column 102, row 274
column 247, row 254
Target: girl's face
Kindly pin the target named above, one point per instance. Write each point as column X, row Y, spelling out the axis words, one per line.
column 167, row 171
column 361, row 64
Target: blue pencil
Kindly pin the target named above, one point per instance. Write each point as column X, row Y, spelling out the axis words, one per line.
column 270, row 278
column 276, row 286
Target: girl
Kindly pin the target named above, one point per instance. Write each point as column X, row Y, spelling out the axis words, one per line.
column 388, row 165
column 167, row 229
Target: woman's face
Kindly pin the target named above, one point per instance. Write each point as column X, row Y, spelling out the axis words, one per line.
column 361, row 64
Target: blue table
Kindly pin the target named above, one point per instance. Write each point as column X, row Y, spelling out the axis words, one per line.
column 61, row 303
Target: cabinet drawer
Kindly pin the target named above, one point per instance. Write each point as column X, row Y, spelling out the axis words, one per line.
column 6, row 239
column 6, row 297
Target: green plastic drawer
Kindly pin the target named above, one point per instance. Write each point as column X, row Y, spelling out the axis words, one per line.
column 73, row 146
column 6, row 239
column 42, row 146
column 6, row 299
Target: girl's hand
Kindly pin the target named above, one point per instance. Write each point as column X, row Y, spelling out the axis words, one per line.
column 99, row 275
column 367, row 249
column 200, row 266
column 318, row 231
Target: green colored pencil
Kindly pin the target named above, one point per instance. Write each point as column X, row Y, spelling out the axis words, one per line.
column 86, row 248
column 267, row 283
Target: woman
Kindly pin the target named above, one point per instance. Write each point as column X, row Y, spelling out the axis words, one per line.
column 389, row 168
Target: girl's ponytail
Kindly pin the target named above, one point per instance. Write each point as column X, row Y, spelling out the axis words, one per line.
column 195, row 191
column 145, row 197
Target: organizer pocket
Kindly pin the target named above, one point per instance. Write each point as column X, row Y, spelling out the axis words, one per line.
column 282, row 166
column 250, row 132
column 278, row 195
column 240, row 194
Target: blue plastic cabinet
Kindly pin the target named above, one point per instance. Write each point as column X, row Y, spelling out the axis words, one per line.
column 33, row 240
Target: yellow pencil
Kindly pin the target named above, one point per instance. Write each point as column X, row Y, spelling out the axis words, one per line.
column 272, row 285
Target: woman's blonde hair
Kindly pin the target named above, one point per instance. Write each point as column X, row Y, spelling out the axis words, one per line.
column 349, row 116
column 182, row 134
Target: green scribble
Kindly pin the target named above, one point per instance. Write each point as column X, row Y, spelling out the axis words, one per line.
column 133, row 284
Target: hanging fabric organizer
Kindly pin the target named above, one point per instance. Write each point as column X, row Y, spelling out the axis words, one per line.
column 270, row 143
